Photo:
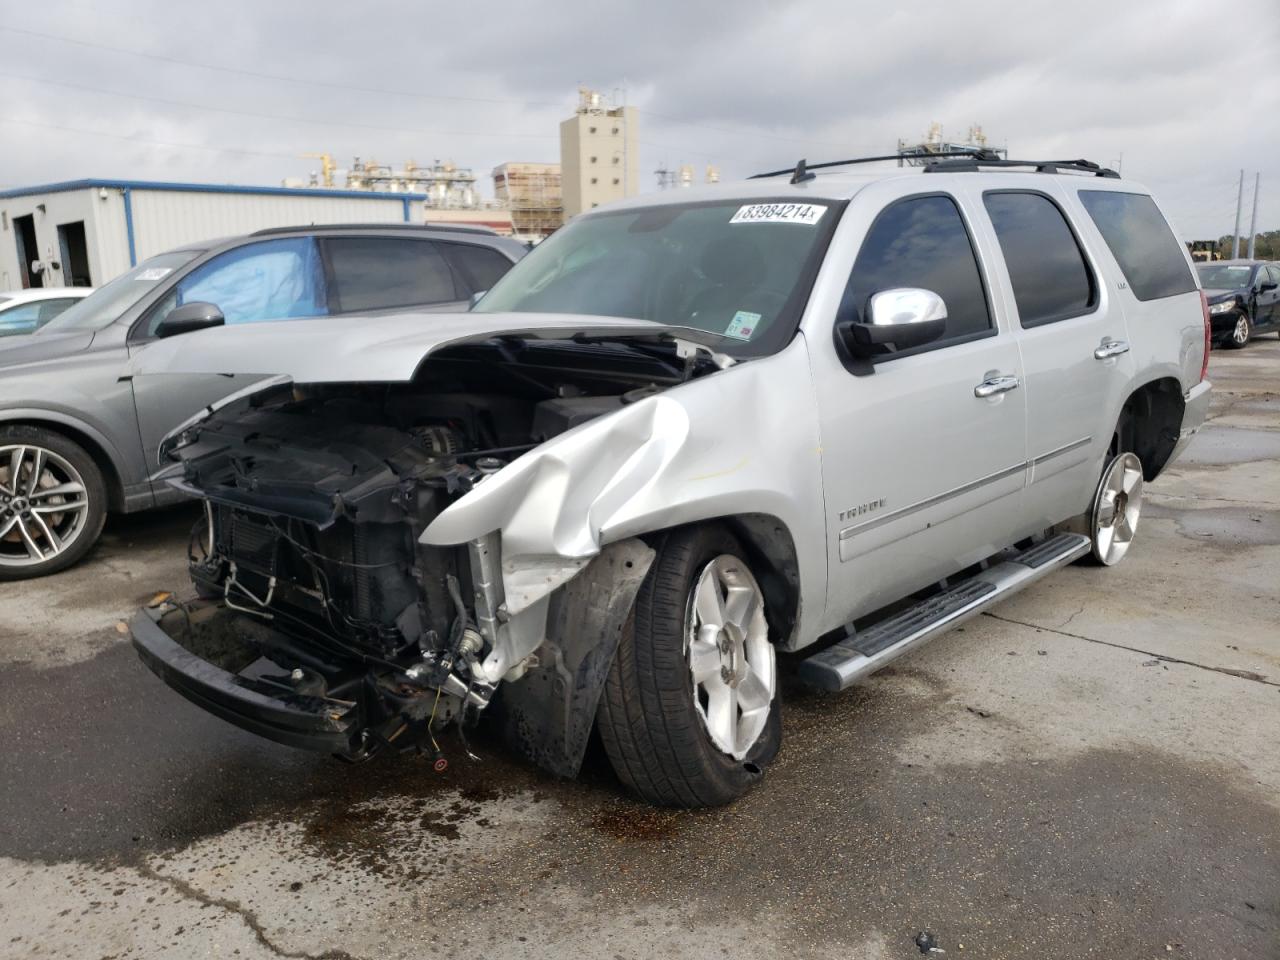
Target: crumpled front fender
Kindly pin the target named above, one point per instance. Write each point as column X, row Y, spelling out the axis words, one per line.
column 552, row 503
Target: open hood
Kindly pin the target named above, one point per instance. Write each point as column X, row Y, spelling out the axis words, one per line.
column 385, row 348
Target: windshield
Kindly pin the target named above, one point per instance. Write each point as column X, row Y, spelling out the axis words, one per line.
column 742, row 270
column 104, row 306
column 1224, row 276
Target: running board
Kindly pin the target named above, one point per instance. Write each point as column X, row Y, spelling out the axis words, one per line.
column 838, row 666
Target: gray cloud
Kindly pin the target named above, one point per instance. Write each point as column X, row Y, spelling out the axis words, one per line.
column 747, row 86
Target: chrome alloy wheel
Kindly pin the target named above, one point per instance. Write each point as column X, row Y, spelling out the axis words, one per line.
column 43, row 505
column 730, row 657
column 1116, row 508
column 1241, row 332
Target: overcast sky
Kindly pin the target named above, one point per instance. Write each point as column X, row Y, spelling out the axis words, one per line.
column 236, row 91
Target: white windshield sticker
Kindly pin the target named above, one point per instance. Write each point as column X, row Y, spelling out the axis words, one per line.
column 806, row 213
column 742, row 326
column 154, row 273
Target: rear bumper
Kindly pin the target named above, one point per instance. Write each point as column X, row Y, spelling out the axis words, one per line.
column 312, row 723
column 1194, row 414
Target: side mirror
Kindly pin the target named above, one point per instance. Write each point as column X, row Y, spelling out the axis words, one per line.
column 190, row 316
column 901, row 318
column 475, row 297
column 1267, row 286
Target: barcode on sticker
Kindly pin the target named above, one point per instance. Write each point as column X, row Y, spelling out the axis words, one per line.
column 806, row 213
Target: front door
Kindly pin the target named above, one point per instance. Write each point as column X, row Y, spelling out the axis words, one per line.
column 923, row 466
column 269, row 280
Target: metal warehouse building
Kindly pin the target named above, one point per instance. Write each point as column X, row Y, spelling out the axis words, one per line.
column 85, row 232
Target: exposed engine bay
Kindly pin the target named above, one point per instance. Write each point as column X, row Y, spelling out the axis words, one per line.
column 321, row 619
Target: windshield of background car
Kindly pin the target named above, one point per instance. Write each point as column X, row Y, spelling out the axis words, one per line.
column 1224, row 276
column 102, row 307
column 739, row 269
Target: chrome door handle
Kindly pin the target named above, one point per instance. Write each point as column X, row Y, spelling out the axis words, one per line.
column 1111, row 348
column 993, row 385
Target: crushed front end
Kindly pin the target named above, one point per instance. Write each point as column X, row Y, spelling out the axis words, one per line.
column 321, row 618
column 320, row 621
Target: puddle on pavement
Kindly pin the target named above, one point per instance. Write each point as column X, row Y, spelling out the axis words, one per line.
column 1220, row 445
column 1227, row 527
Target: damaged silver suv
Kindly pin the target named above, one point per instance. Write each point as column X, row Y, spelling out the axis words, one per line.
column 828, row 416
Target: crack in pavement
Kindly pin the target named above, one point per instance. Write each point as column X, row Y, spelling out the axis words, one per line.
column 1164, row 658
column 249, row 918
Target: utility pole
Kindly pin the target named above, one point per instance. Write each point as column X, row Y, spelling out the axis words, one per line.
column 1253, row 221
column 1235, row 234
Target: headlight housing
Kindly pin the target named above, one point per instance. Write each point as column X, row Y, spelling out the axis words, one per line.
column 1226, row 306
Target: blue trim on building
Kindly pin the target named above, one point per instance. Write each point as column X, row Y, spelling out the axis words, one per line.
column 128, row 226
column 68, row 185
column 406, row 209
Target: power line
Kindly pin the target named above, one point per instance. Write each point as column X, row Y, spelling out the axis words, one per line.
column 155, row 143
column 385, row 91
column 259, row 75
column 188, row 105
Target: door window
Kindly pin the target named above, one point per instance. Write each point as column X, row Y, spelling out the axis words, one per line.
column 51, row 308
column 922, row 242
column 1152, row 260
column 481, row 267
column 371, row 273
column 272, row 280
column 1050, row 278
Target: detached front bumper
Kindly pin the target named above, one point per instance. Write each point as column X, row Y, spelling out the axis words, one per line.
column 259, row 706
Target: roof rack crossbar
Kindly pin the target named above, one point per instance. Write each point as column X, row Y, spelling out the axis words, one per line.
column 802, row 168
column 975, row 164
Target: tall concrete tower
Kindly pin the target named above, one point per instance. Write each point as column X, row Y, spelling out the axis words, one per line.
column 599, row 154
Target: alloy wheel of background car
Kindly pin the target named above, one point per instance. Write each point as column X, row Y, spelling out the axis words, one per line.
column 731, row 660
column 1241, row 333
column 52, row 502
column 1116, row 508
column 43, row 505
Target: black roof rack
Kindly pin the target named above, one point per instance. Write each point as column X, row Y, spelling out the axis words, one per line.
column 801, row 171
column 340, row 227
column 975, row 163
column 950, row 161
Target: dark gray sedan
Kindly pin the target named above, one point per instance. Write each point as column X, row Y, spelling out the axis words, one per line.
column 78, row 439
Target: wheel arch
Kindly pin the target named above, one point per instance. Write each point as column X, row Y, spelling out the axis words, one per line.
column 1149, row 423
column 94, row 443
column 771, row 552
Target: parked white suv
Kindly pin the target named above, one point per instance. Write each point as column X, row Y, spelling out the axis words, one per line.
column 686, row 433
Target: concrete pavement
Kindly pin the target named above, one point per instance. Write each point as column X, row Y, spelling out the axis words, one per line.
column 1090, row 770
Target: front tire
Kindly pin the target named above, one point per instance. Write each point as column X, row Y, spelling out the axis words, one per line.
column 690, row 714
column 53, row 502
column 1240, row 334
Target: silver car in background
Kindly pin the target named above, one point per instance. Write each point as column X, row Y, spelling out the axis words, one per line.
column 78, row 437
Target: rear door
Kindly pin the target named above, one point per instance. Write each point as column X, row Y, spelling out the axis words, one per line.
column 922, row 475
column 1071, row 332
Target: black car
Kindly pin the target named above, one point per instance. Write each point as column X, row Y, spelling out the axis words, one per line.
column 1244, row 299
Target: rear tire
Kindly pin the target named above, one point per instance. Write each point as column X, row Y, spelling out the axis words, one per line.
column 52, row 471
column 656, row 719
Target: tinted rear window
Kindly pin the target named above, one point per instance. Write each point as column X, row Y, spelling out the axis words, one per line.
column 371, row 273
column 1049, row 276
column 1150, row 256
column 481, row 267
